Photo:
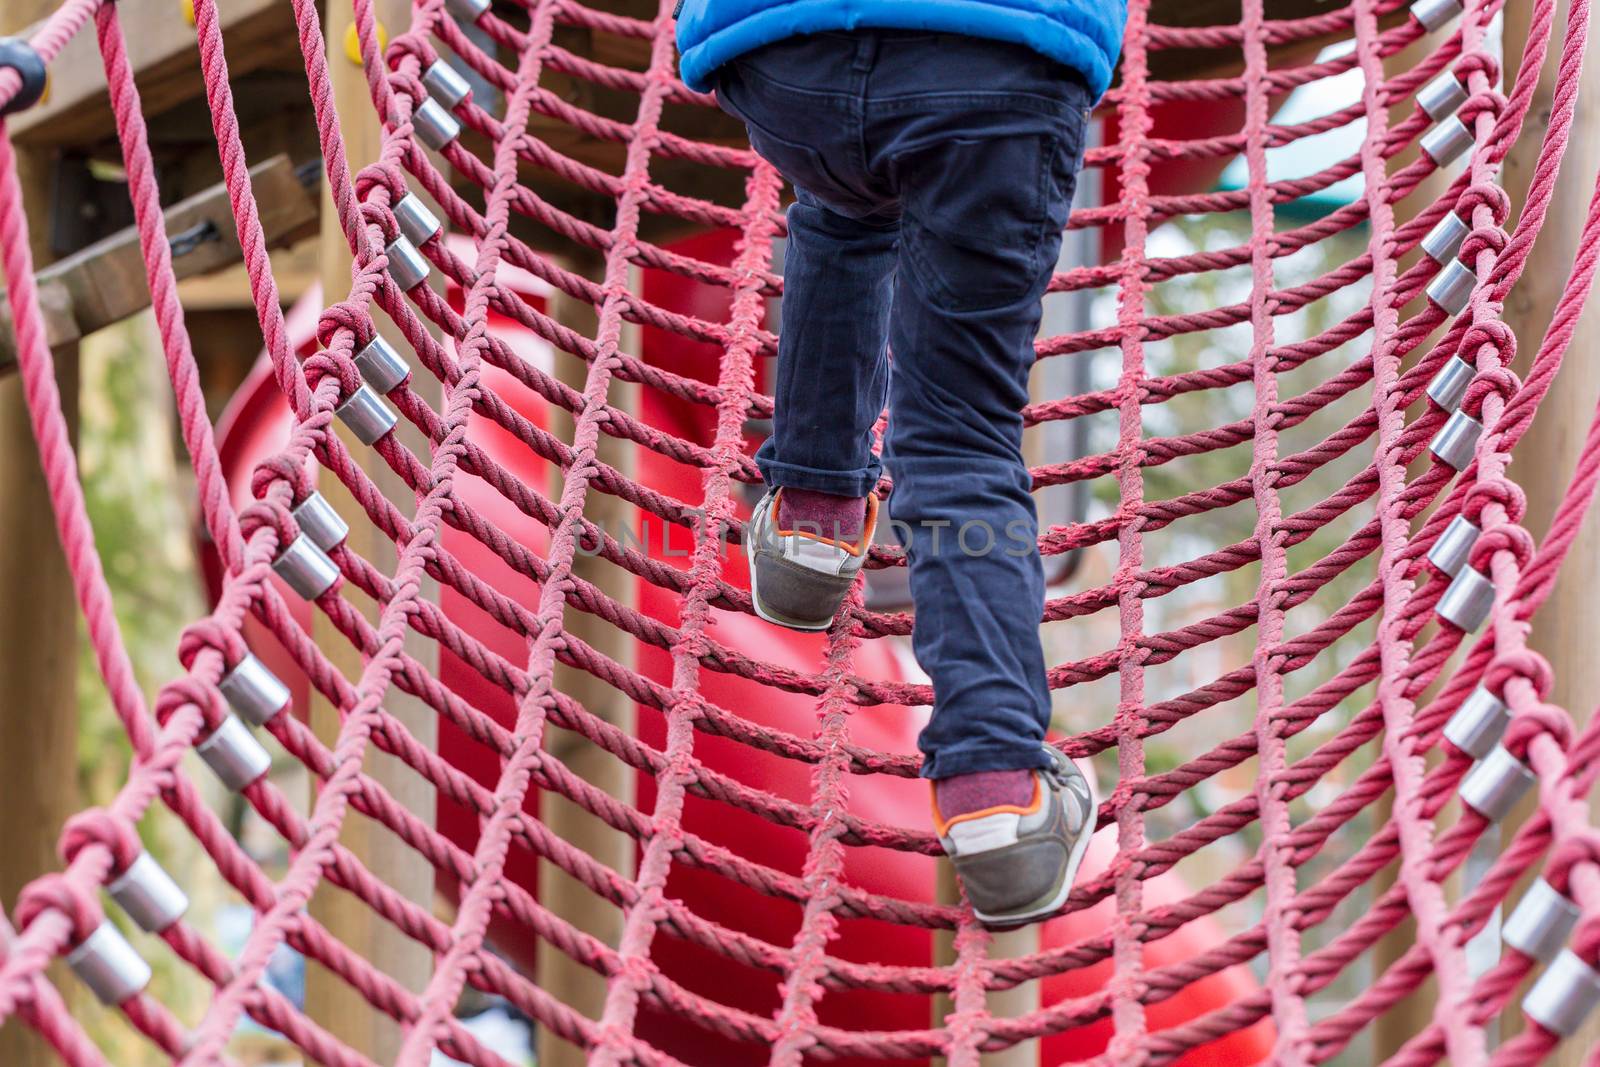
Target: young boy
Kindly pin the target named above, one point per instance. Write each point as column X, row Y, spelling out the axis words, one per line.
column 933, row 146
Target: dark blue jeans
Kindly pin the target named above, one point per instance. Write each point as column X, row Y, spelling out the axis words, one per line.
column 933, row 174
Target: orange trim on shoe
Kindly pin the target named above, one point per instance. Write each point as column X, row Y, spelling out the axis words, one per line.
column 868, row 527
column 942, row 826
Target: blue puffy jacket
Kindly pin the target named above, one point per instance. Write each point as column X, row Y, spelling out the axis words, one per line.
column 1084, row 34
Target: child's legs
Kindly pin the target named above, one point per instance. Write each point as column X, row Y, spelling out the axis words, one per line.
column 800, row 99
column 983, row 213
column 832, row 372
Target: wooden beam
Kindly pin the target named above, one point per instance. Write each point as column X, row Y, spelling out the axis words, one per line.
column 39, row 641
column 1567, row 628
column 165, row 59
column 105, row 283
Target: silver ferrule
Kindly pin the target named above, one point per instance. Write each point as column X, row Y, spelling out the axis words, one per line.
column 1495, row 784
column 1564, row 995
column 416, row 221
column 1478, row 724
column 1452, row 287
column 1466, row 603
column 108, row 965
column 1434, row 14
column 234, row 755
column 381, row 366
column 1541, row 923
column 1444, row 240
column 445, row 85
column 318, row 521
column 1447, row 141
column 367, row 416
column 436, row 127
column 305, row 568
column 1449, row 386
column 1457, row 440
column 468, row 11
column 407, row 266
column 149, row 895
column 1449, row 553
column 1440, row 97
column 253, row 692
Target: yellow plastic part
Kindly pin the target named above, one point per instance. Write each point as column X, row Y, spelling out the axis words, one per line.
column 352, row 42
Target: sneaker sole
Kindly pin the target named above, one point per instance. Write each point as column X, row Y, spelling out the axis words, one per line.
column 1057, row 902
column 761, row 610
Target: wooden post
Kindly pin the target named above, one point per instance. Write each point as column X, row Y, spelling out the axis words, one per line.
column 572, row 982
column 39, row 641
column 329, row 1000
column 1567, row 628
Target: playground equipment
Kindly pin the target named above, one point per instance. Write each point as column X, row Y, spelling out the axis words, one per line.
column 780, row 902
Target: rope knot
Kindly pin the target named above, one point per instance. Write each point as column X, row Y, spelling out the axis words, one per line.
column 209, row 634
column 97, row 826
column 1484, row 238
column 1502, row 491
column 1523, row 663
column 1485, row 194
column 1477, row 62
column 1537, row 721
column 1497, row 381
column 1582, row 847
column 1502, row 537
column 54, row 890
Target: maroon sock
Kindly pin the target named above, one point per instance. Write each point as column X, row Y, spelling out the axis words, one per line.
column 822, row 513
column 982, row 789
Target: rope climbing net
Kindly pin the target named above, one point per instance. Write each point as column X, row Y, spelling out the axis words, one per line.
column 1340, row 806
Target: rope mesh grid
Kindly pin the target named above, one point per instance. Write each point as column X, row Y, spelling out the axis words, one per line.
column 1348, row 820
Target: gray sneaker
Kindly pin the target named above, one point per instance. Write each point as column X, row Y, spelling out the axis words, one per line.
column 798, row 578
column 1017, row 864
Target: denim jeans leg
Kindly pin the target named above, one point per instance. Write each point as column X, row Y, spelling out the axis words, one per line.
column 832, row 368
column 980, row 234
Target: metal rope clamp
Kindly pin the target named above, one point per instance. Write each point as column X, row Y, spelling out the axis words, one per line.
column 234, row 755
column 1452, row 287
column 367, row 416
column 305, row 568
column 108, row 965
column 1434, row 14
column 1564, row 995
column 1542, row 922
column 416, row 222
column 254, row 693
column 1493, row 787
column 1449, row 387
column 381, row 366
column 436, row 127
column 149, row 896
column 1451, row 551
column 1444, row 240
column 407, row 266
column 445, row 84
column 318, row 521
column 1478, row 724
column 1447, row 141
column 22, row 57
column 1442, row 96
column 1468, row 600
column 468, row 11
column 1457, row 440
